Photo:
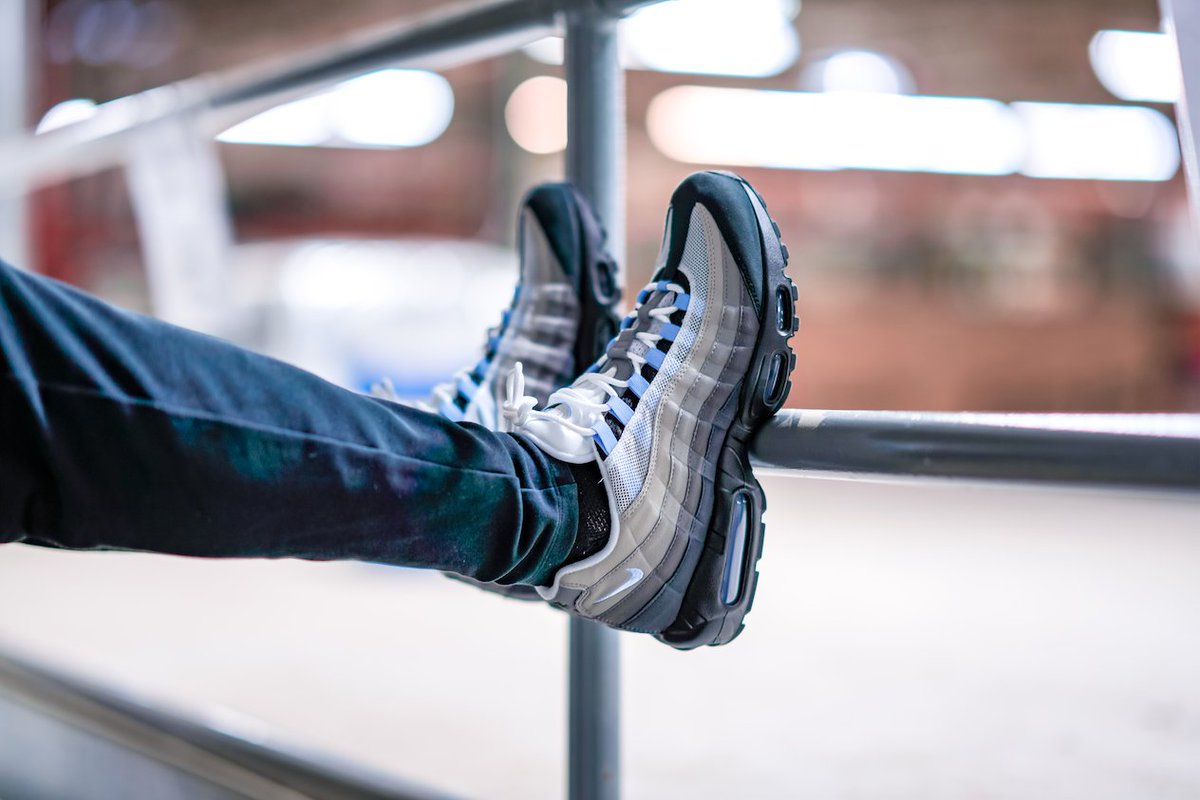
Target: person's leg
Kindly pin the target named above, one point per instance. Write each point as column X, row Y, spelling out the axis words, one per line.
column 121, row 432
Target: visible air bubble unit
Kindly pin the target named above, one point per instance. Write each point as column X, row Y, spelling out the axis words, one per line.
column 776, row 383
column 735, row 549
column 784, row 309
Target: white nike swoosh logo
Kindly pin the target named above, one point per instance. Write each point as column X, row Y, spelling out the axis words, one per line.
column 635, row 575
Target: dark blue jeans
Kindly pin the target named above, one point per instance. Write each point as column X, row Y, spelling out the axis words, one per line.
column 121, row 432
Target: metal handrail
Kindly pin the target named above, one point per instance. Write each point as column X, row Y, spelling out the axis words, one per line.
column 1148, row 451
column 151, row 738
column 213, row 102
column 1181, row 20
column 596, row 165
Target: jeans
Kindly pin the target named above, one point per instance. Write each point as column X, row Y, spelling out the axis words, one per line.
column 121, row 432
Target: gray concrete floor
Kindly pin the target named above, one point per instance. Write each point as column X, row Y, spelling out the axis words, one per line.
column 909, row 641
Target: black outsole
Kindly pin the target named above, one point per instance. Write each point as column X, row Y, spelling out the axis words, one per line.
column 704, row 617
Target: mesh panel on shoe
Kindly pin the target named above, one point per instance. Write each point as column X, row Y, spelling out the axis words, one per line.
column 629, row 462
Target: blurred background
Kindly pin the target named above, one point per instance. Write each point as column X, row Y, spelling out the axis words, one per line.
column 985, row 208
column 1020, row 244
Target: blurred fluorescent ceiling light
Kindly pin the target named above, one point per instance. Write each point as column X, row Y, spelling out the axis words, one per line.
column 747, row 38
column 1114, row 143
column 750, row 38
column 858, row 71
column 386, row 108
column 1136, row 65
column 549, row 50
column 393, row 108
column 65, row 113
column 536, row 115
column 799, row 130
column 300, row 123
column 912, row 133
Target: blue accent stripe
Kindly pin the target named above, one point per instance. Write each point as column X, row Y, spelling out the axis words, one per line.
column 628, row 322
column 642, row 295
column 620, row 409
column 467, row 387
column 638, row 385
column 451, row 412
column 682, row 301
column 654, row 357
column 669, row 332
column 604, row 436
column 662, row 285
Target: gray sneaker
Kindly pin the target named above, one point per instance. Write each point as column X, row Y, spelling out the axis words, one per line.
column 668, row 414
column 562, row 313
column 562, row 316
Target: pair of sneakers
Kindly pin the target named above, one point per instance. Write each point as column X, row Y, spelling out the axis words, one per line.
column 663, row 403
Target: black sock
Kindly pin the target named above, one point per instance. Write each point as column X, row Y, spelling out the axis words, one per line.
column 595, row 520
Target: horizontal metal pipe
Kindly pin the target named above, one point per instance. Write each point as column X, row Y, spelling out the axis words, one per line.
column 1133, row 450
column 215, row 101
column 142, row 741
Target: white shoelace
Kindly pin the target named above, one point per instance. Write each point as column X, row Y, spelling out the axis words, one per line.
column 444, row 393
column 440, row 395
column 578, row 407
column 385, row 390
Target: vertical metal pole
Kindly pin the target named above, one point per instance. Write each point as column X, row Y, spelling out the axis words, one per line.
column 596, row 164
column 1181, row 20
column 17, row 29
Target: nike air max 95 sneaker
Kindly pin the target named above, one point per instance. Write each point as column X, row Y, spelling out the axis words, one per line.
column 562, row 313
column 667, row 415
